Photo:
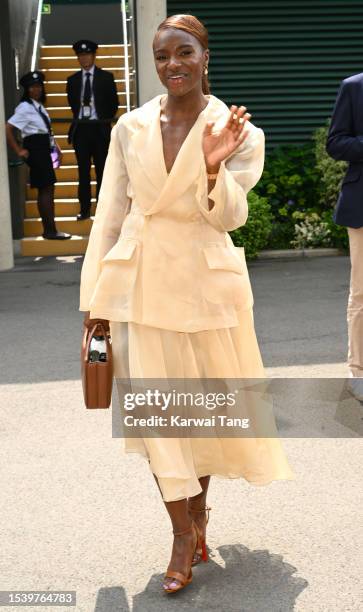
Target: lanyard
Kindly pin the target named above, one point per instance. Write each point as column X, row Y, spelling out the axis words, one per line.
column 86, row 97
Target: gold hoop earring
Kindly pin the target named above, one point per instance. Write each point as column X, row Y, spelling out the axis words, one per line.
column 206, row 70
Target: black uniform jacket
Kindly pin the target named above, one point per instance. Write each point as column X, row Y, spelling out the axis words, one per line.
column 345, row 142
column 104, row 92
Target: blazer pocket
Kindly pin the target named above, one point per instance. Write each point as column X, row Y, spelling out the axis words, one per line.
column 226, row 279
column 119, row 269
column 123, row 249
column 223, row 258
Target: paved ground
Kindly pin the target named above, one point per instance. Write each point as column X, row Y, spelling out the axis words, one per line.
column 78, row 514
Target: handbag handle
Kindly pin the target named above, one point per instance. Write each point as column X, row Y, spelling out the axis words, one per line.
column 88, row 335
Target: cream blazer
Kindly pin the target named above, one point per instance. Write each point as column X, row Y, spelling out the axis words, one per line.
column 156, row 254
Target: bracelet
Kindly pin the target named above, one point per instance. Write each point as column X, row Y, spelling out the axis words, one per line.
column 212, row 177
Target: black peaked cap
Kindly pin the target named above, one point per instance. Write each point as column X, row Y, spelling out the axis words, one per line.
column 32, row 77
column 85, row 46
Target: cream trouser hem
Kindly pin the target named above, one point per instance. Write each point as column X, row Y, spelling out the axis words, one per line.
column 355, row 303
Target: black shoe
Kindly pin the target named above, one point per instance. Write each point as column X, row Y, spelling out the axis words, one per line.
column 57, row 236
column 82, row 217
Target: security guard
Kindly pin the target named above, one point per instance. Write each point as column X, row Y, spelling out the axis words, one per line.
column 38, row 147
column 92, row 95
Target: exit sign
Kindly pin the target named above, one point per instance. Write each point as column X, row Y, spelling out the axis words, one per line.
column 46, row 9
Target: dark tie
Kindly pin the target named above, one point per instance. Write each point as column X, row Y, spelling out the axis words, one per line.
column 87, row 90
column 45, row 119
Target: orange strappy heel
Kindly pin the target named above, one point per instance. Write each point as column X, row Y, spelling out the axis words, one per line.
column 182, row 578
column 201, row 553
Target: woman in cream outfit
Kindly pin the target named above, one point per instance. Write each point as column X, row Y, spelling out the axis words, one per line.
column 161, row 267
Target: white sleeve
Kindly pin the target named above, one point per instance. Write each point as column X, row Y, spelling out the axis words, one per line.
column 112, row 208
column 20, row 118
column 236, row 177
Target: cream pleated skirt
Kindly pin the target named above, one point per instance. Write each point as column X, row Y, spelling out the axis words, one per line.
column 140, row 351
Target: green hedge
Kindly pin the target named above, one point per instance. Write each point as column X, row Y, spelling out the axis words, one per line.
column 254, row 235
column 301, row 185
column 330, row 172
column 290, row 183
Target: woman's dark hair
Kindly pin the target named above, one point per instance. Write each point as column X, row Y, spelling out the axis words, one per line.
column 26, row 98
column 192, row 25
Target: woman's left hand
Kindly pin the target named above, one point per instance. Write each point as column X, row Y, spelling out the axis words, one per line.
column 60, row 154
column 219, row 145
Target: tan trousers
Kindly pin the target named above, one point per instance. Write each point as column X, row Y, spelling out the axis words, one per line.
column 355, row 303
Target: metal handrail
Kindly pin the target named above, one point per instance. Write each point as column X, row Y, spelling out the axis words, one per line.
column 36, row 36
column 126, row 54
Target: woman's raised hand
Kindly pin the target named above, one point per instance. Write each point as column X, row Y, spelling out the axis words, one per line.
column 217, row 146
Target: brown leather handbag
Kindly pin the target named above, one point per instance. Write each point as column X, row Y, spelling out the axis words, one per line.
column 97, row 376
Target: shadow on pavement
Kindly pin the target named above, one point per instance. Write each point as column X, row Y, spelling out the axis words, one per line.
column 299, row 312
column 112, row 599
column 251, row 581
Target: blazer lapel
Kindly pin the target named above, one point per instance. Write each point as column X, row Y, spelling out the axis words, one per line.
column 79, row 83
column 187, row 166
column 96, row 88
column 148, row 145
column 77, row 90
column 96, row 79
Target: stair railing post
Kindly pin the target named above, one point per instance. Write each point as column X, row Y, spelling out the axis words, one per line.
column 36, row 36
column 126, row 54
column 6, row 236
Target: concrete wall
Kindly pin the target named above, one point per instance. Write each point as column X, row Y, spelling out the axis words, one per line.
column 17, row 27
column 148, row 16
column 70, row 22
column 6, row 244
column 22, row 29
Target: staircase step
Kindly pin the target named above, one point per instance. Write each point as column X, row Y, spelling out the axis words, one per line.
column 62, row 112
column 34, row 227
column 69, row 157
column 70, row 173
column 58, row 85
column 62, row 191
column 58, row 62
column 61, row 128
column 62, row 208
column 59, row 111
column 62, row 74
column 60, row 99
column 107, row 61
column 66, row 50
column 62, row 139
column 39, row 247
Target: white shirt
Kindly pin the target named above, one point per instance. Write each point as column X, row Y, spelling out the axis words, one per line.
column 26, row 118
column 93, row 109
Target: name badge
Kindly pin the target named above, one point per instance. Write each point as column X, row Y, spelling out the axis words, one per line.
column 86, row 113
